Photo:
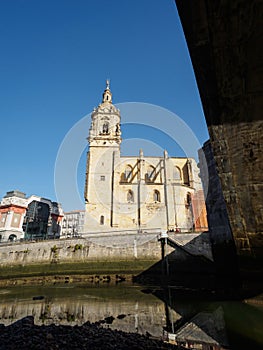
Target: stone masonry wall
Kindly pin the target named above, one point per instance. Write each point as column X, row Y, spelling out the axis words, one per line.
column 102, row 248
column 78, row 250
column 225, row 43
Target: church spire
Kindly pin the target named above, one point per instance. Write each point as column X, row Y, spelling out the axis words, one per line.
column 107, row 95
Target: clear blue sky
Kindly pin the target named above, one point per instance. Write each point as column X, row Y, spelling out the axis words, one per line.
column 55, row 57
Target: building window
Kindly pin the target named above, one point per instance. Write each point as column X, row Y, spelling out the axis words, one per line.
column 128, row 173
column 130, row 196
column 16, row 220
column 177, row 174
column 188, row 201
column 150, row 175
column 126, row 176
column 105, row 128
column 3, row 219
column 156, row 196
column 102, row 220
column 187, row 173
column 12, row 238
column 102, row 178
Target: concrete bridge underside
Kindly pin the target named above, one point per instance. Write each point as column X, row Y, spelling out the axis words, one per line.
column 225, row 44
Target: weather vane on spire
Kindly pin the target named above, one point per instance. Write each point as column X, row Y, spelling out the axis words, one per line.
column 108, row 84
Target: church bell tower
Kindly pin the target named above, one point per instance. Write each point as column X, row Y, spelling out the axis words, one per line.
column 105, row 123
column 104, row 153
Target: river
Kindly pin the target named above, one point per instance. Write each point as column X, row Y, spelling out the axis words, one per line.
column 161, row 313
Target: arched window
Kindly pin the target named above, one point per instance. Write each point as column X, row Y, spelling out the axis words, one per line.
column 102, row 220
column 150, row 173
column 187, row 173
column 12, row 238
column 105, row 128
column 128, row 173
column 130, row 196
column 177, row 174
column 156, row 196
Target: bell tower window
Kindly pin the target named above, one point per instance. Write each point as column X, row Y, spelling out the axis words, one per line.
column 105, row 128
column 107, row 96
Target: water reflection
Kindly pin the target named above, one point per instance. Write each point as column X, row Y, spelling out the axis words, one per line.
column 161, row 313
column 118, row 307
column 211, row 325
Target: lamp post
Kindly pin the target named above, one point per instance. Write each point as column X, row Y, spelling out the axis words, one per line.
column 164, row 241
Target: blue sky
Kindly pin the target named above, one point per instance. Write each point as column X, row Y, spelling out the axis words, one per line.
column 55, row 58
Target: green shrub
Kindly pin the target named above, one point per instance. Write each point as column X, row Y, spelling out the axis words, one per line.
column 54, row 249
column 78, row 247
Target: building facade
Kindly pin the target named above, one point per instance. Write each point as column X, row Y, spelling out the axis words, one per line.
column 73, row 224
column 43, row 219
column 13, row 208
column 29, row 218
column 137, row 192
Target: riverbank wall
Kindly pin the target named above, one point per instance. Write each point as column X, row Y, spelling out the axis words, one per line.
column 90, row 249
column 102, row 247
column 95, row 256
column 102, row 258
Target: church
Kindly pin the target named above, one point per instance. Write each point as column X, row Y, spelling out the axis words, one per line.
column 129, row 193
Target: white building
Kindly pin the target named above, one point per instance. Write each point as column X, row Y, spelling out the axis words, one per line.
column 73, row 223
column 137, row 192
column 13, row 208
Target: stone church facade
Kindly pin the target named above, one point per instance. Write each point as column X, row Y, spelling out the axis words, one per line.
column 137, row 192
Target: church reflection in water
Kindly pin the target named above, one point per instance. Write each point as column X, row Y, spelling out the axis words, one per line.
column 159, row 313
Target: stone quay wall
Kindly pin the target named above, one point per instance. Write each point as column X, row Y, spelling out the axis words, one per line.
column 101, row 258
column 104, row 247
column 113, row 247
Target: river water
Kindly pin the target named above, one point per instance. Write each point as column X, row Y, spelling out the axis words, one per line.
column 162, row 313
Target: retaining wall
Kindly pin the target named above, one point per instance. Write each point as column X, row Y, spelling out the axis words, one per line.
column 81, row 250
